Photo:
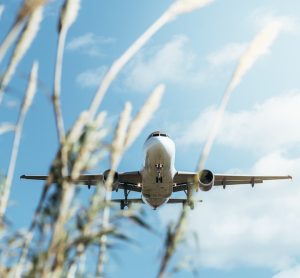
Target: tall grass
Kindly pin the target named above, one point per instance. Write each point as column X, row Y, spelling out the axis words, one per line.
column 61, row 233
column 257, row 47
column 26, row 10
column 30, row 92
column 25, row 39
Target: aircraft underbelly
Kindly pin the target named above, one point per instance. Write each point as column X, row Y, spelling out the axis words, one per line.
column 157, row 190
column 156, row 194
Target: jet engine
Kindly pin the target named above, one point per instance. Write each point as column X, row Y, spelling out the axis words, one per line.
column 206, row 180
column 115, row 183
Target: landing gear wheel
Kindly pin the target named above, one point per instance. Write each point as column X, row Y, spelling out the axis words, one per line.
column 125, row 203
column 122, row 205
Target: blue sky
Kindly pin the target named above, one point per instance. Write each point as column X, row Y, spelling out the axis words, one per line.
column 242, row 232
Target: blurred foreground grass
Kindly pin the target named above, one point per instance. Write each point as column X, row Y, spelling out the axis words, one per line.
column 61, row 231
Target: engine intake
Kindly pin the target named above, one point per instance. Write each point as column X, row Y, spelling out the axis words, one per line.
column 206, row 180
column 115, row 184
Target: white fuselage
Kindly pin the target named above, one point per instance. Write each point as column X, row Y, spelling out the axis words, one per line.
column 158, row 171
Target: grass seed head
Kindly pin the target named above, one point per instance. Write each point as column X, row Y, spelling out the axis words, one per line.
column 144, row 115
column 68, row 14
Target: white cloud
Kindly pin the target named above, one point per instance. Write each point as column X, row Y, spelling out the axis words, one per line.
column 241, row 226
column 89, row 44
column 261, row 17
column 171, row 63
column 267, row 126
column 293, row 272
column 12, row 103
column 229, row 53
column 275, row 162
column 176, row 64
column 91, row 78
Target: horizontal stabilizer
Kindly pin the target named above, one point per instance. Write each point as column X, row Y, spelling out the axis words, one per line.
column 130, row 201
column 140, row 201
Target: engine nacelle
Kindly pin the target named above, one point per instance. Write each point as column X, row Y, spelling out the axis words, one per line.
column 115, row 183
column 206, row 180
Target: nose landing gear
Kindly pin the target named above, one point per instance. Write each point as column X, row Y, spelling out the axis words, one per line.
column 159, row 178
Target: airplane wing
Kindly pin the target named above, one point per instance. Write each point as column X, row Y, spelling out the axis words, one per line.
column 224, row 180
column 183, row 180
column 127, row 180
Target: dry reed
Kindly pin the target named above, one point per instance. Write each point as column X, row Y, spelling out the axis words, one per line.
column 259, row 46
column 6, row 127
column 80, row 146
column 9, row 39
column 30, row 92
column 68, row 16
column 117, row 146
column 144, row 115
column 27, row 8
column 25, row 40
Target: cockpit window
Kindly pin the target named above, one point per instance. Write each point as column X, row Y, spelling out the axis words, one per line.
column 157, row 133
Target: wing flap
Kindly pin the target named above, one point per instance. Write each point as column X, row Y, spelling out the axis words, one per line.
column 130, row 177
column 184, row 177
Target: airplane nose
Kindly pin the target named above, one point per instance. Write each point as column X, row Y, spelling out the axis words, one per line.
column 159, row 143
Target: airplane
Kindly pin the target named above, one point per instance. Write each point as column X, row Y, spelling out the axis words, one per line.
column 158, row 178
